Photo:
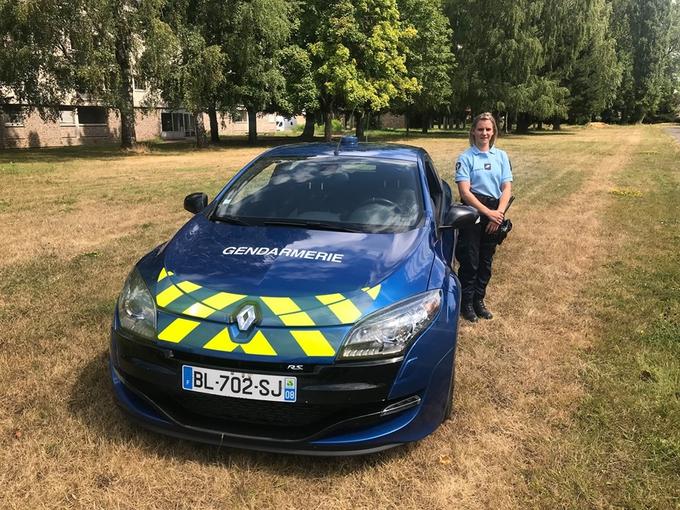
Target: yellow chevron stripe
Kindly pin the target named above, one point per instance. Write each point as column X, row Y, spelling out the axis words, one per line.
column 313, row 343
column 177, row 330
column 345, row 311
column 372, row 291
column 259, row 346
column 188, row 286
column 168, row 296
column 199, row 310
column 297, row 319
column 221, row 300
column 328, row 299
column 281, row 305
column 162, row 274
column 221, row 342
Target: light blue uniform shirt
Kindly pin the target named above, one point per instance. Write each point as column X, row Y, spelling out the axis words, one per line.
column 486, row 171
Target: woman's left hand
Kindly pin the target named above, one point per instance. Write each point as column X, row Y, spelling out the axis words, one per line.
column 492, row 227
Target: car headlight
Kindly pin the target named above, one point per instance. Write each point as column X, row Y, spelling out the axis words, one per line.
column 390, row 331
column 136, row 309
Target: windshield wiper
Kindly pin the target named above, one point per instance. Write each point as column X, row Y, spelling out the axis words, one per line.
column 318, row 225
column 230, row 219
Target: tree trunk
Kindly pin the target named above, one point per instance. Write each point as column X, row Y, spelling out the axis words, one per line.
column 128, row 136
column 199, row 125
column 252, row 125
column 359, row 118
column 510, row 120
column 407, row 121
column 214, row 126
column 308, row 132
column 327, row 125
column 426, row 123
column 557, row 124
column 523, row 123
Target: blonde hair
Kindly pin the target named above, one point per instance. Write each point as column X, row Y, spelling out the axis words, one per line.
column 475, row 121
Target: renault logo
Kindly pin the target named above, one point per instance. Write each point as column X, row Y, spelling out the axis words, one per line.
column 246, row 317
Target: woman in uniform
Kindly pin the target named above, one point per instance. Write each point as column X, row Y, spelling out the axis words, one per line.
column 484, row 179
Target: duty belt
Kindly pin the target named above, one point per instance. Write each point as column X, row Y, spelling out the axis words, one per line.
column 488, row 201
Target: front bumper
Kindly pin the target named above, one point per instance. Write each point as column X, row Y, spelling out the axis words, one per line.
column 345, row 408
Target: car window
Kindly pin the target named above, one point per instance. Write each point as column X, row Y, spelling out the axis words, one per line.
column 434, row 186
column 368, row 194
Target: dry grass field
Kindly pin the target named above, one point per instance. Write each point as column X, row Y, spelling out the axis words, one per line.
column 569, row 398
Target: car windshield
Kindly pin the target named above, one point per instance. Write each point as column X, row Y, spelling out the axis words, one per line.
column 335, row 193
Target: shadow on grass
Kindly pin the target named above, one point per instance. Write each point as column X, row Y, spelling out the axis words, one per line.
column 92, row 402
column 99, row 152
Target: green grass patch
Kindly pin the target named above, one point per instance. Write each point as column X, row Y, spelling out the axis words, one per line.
column 624, row 448
column 21, row 168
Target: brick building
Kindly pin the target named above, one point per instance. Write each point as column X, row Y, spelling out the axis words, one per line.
column 94, row 124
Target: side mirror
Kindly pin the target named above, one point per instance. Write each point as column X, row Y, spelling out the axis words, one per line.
column 196, row 202
column 460, row 216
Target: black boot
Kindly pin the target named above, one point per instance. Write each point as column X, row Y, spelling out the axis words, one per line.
column 481, row 310
column 468, row 312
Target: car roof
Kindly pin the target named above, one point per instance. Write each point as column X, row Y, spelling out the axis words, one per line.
column 363, row 149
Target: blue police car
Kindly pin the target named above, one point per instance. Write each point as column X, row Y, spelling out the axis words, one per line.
column 309, row 308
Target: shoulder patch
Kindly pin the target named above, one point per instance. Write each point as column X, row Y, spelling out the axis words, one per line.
column 457, row 165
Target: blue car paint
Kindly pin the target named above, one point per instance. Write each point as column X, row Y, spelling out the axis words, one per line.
column 195, row 253
column 404, row 264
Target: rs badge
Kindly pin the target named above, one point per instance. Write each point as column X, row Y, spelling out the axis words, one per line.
column 246, row 317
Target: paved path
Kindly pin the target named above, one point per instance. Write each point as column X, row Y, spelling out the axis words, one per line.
column 675, row 131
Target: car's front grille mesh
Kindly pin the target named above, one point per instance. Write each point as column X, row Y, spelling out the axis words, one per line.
column 253, row 411
column 277, row 420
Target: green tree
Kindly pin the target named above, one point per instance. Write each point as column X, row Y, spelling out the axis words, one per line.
column 106, row 44
column 430, row 59
column 642, row 31
column 262, row 28
column 187, row 71
column 34, row 69
column 214, row 55
column 670, row 102
column 359, row 55
column 579, row 56
column 56, row 50
column 301, row 91
column 596, row 73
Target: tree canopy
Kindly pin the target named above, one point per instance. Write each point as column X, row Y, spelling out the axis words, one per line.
column 525, row 60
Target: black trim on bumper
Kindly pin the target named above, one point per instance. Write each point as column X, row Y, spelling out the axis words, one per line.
column 332, row 399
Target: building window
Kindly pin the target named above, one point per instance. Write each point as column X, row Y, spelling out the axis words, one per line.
column 189, row 125
column 92, row 115
column 239, row 116
column 67, row 116
column 178, row 122
column 13, row 115
column 140, row 83
column 166, row 121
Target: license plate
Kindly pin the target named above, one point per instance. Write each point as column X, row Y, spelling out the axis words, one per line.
column 239, row 385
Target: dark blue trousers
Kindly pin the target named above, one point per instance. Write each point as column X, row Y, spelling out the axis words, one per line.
column 474, row 251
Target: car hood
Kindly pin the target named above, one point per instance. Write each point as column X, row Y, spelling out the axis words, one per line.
column 292, row 276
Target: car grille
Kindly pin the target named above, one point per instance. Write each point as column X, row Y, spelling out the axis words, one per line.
column 275, row 420
column 253, row 411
